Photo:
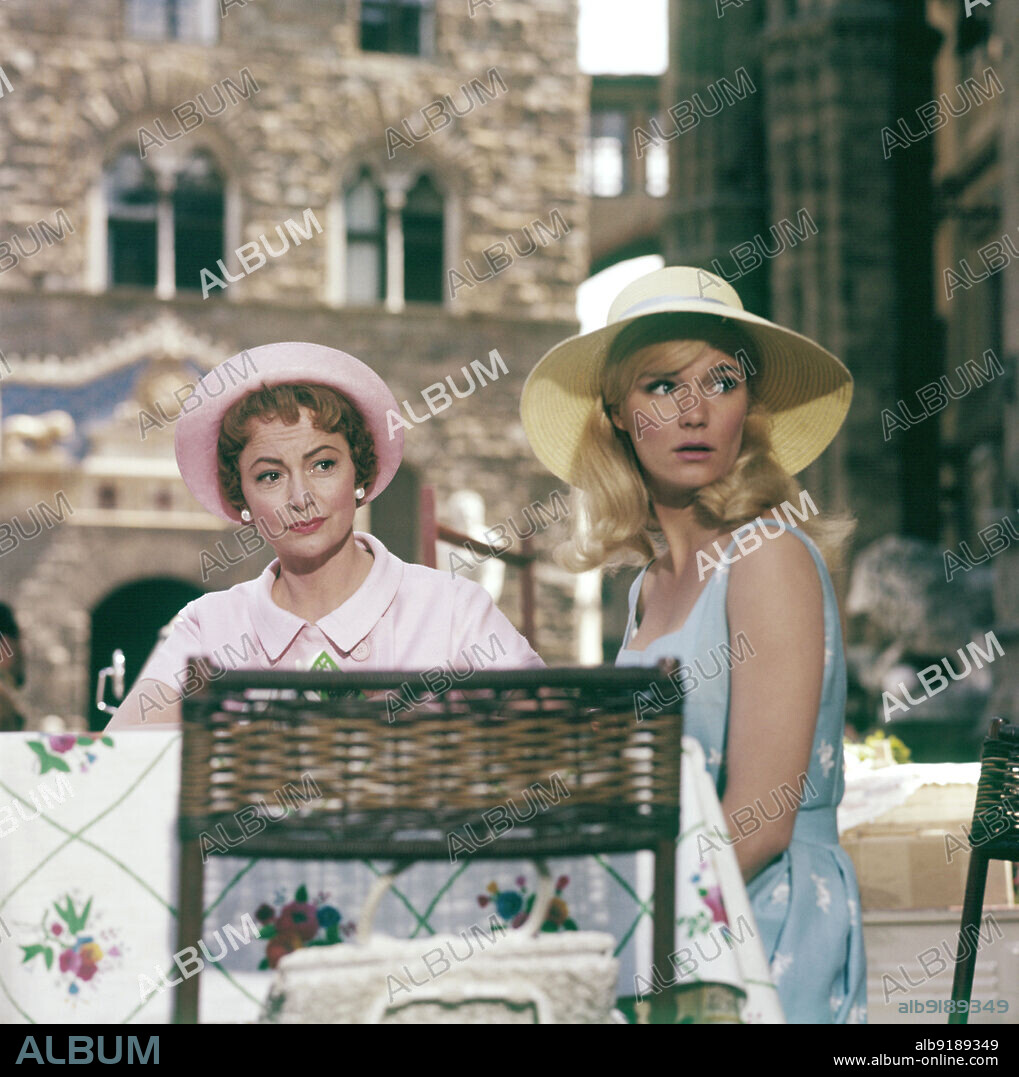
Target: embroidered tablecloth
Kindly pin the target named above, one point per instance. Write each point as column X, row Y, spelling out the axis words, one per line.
column 88, row 893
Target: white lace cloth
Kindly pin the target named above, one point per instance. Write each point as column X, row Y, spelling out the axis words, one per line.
column 871, row 793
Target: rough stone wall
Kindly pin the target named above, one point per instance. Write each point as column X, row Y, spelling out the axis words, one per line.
column 82, row 89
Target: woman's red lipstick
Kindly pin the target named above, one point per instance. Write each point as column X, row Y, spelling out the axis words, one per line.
column 309, row 527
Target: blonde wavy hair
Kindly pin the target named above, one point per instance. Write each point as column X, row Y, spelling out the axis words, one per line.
column 613, row 521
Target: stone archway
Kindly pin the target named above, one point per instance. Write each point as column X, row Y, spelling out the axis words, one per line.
column 73, row 575
column 130, row 617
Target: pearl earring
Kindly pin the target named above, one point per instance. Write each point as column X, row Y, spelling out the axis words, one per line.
column 359, row 493
column 246, row 516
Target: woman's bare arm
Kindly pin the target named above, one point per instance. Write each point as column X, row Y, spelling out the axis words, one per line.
column 149, row 705
column 775, row 600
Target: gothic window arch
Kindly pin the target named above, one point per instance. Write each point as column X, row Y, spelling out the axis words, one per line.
column 132, row 199
column 392, row 239
column 365, row 214
column 422, row 221
column 165, row 221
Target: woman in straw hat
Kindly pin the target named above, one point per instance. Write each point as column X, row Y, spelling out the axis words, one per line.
column 679, row 425
column 291, row 443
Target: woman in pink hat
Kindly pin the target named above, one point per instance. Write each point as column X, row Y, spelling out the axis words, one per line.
column 680, row 425
column 293, row 446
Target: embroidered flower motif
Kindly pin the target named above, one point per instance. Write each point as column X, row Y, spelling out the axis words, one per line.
column 78, row 954
column 91, row 951
column 713, row 900
column 514, row 906
column 327, row 916
column 298, row 924
column 508, row 904
column 835, row 1003
column 280, row 946
column 851, row 904
column 857, row 1015
column 298, row 918
column 70, row 961
column 714, row 757
column 558, row 911
column 79, row 750
column 826, row 756
column 823, row 893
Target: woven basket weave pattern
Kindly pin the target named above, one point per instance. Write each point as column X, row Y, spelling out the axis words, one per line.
column 447, row 761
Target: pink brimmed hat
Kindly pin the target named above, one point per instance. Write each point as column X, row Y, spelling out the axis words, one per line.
column 197, row 435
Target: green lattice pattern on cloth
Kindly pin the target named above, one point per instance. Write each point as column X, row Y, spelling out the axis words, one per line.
column 420, row 908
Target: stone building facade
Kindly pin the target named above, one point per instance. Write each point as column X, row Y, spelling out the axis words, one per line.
column 892, row 123
column 181, row 180
column 782, row 183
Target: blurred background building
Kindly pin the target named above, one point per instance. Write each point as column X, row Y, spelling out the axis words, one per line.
column 837, row 160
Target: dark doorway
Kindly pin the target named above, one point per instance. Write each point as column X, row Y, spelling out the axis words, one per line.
column 130, row 618
column 395, row 516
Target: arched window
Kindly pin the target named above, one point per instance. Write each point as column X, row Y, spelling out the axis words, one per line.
column 173, row 20
column 197, row 220
column 422, row 243
column 394, row 238
column 164, row 223
column 604, row 161
column 366, row 241
column 132, row 203
column 656, row 170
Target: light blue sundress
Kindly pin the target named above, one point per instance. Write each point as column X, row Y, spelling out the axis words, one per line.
column 806, row 902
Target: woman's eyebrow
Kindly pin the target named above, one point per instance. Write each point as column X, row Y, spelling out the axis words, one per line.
column 722, row 364
column 651, row 374
column 306, row 456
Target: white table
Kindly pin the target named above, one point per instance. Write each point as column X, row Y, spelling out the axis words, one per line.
column 88, row 859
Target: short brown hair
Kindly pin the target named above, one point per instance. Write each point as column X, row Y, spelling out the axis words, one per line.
column 331, row 412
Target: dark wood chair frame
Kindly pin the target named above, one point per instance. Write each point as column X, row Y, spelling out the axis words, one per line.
column 394, row 786
column 994, row 835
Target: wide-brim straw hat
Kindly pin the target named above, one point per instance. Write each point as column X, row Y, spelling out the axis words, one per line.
column 197, row 435
column 804, row 389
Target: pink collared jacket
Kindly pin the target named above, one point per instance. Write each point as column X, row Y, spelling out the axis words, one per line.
column 403, row 617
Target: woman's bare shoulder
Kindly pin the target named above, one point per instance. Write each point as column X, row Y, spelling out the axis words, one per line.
column 780, row 568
